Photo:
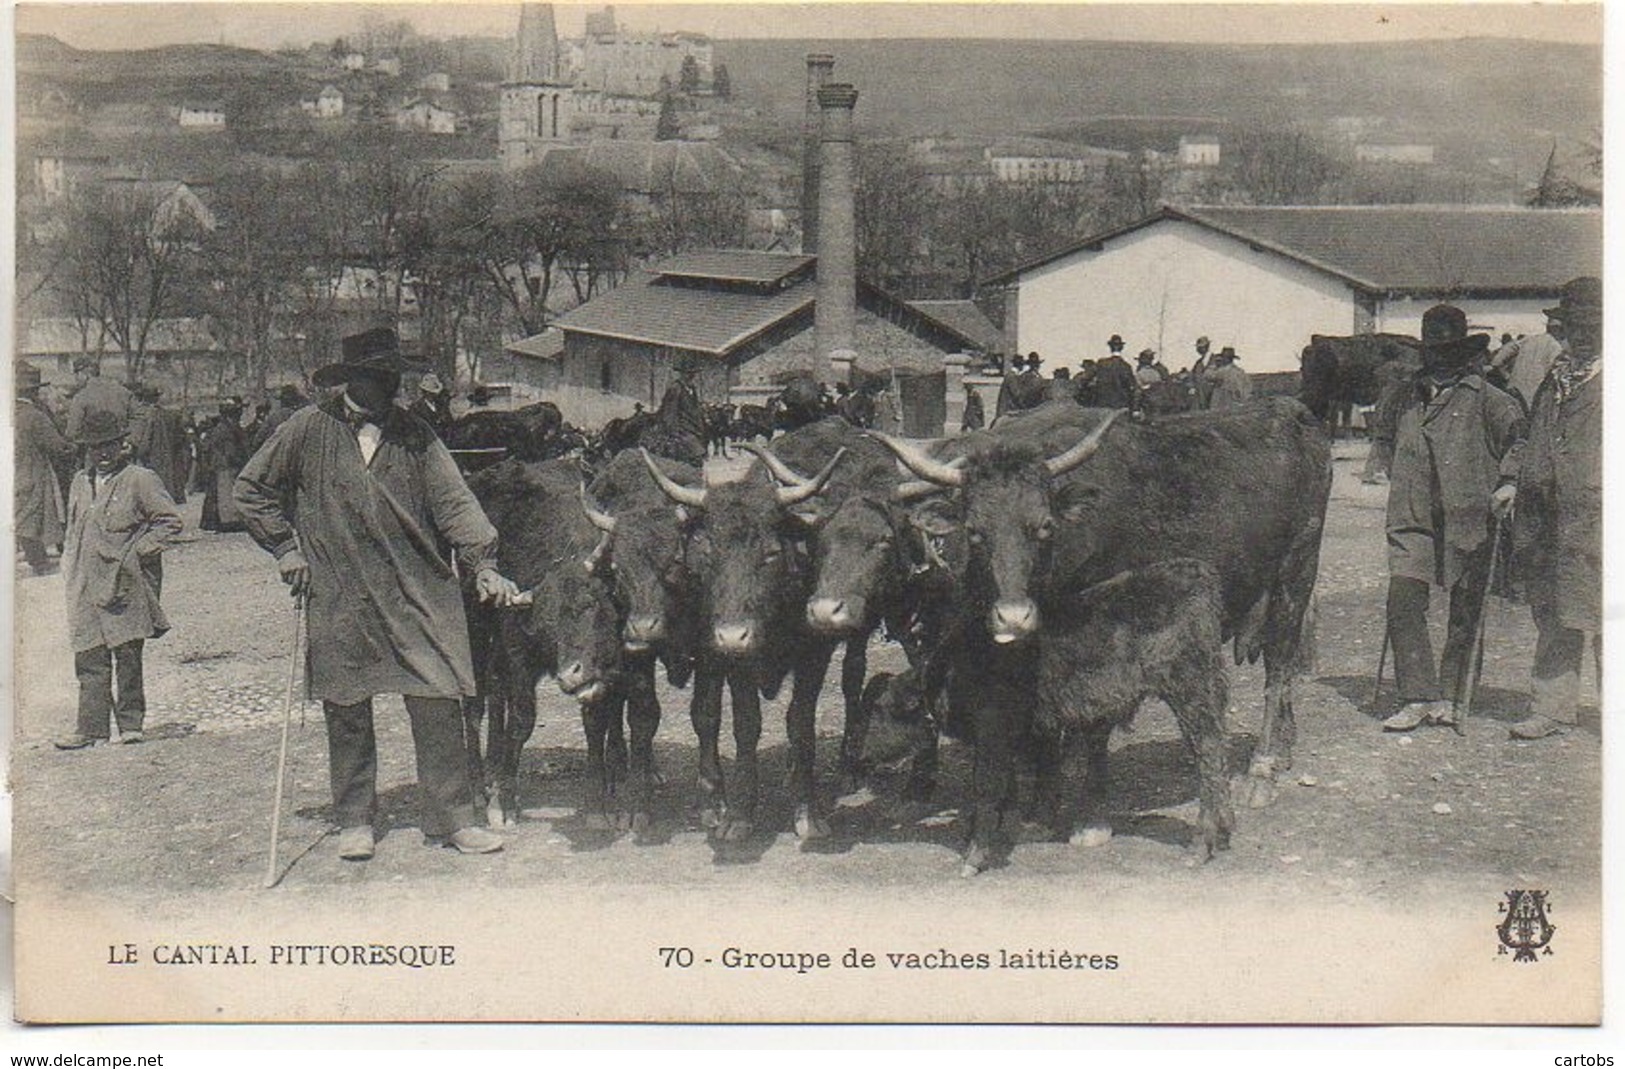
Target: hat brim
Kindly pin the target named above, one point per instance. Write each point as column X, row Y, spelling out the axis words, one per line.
column 100, row 439
column 341, row 373
column 1472, row 343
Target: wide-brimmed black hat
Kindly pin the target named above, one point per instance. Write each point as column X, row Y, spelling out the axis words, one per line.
column 1033, row 360
column 1147, row 354
column 1114, row 342
column 372, row 352
column 1444, row 332
column 1227, row 353
column 99, row 428
column 1581, row 297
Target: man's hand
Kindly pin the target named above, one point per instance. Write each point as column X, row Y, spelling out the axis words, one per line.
column 1502, row 500
column 495, row 587
column 295, row 571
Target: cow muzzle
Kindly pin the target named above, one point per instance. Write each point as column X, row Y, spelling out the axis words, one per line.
column 641, row 632
column 737, row 638
column 575, row 682
column 834, row 614
column 1013, row 620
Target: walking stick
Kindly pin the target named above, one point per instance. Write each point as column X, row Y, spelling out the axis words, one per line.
column 1476, row 669
column 272, row 876
column 1382, row 659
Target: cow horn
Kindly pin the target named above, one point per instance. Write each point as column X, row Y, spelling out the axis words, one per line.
column 795, row 495
column 783, row 472
column 913, row 489
column 600, row 519
column 596, row 557
column 1081, row 452
column 682, row 495
column 916, row 460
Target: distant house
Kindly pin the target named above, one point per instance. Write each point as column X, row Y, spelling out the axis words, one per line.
column 745, row 318
column 1263, row 279
column 354, row 61
column 1037, row 160
column 329, row 103
column 390, row 65
column 1391, row 152
column 202, row 116
column 427, row 116
column 436, row 82
column 57, row 174
column 1198, row 151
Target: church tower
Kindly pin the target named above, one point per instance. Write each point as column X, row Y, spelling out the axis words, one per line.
column 537, row 104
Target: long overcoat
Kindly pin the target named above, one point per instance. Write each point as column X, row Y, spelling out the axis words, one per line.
column 40, row 449
column 1448, row 452
column 1557, row 526
column 385, row 607
column 117, row 528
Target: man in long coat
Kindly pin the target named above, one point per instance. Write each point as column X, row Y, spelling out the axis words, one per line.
column 1555, row 481
column 1227, row 385
column 1114, row 385
column 119, row 521
column 221, row 454
column 41, row 449
column 1448, row 451
column 360, row 503
column 158, row 436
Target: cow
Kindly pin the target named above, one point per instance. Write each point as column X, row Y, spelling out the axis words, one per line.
column 1243, row 489
column 1339, row 373
column 485, row 436
column 719, row 416
column 745, row 546
column 567, row 627
column 751, row 422
column 1149, row 632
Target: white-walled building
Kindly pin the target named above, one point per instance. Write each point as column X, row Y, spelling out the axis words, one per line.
column 1264, row 279
column 202, row 116
column 1196, row 150
column 427, row 116
column 328, row 104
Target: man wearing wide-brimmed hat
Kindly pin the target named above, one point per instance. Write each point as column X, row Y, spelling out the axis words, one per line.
column 221, row 454
column 1452, row 436
column 1113, row 384
column 1227, row 384
column 41, row 450
column 359, row 503
column 119, row 520
column 1555, row 481
column 92, row 393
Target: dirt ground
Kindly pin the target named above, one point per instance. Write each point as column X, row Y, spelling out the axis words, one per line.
column 1362, row 816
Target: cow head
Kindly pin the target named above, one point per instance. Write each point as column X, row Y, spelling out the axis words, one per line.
column 743, row 548
column 855, row 558
column 642, row 550
column 1009, row 511
column 571, row 610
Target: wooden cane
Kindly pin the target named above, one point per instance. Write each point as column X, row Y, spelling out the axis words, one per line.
column 1382, row 660
column 1477, row 667
column 272, row 876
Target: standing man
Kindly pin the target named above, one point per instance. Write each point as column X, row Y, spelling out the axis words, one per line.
column 433, row 404
column 1008, row 388
column 1448, row 452
column 1114, row 384
column 358, row 501
column 1523, row 364
column 975, row 413
column 40, row 451
column 119, row 521
column 1555, row 480
column 1199, row 384
column 1227, row 384
column 223, row 450
column 1147, row 371
column 95, row 394
column 158, row 436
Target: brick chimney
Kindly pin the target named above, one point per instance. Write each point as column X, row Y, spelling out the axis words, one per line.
column 819, row 66
column 835, row 315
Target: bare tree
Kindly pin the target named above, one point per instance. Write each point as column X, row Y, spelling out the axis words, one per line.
column 895, row 207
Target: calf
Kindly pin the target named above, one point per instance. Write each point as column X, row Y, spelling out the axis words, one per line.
column 1153, row 632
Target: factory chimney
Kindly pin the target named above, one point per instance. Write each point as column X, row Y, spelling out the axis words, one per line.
column 835, row 314
column 819, row 66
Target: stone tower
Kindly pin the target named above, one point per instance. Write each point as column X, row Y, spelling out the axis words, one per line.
column 537, row 104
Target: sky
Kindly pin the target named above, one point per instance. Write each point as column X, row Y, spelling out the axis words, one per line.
column 269, row 25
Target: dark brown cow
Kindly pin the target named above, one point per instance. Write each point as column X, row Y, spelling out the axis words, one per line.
column 1244, row 490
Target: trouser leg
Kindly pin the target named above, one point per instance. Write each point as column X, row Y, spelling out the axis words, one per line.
column 352, row 758
column 1414, row 670
column 34, row 553
column 131, row 707
column 1456, row 665
column 1559, row 652
column 94, row 668
column 448, row 798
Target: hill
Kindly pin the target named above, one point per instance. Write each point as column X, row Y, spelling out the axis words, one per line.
column 1473, row 98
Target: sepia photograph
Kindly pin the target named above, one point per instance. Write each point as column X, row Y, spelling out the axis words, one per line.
column 864, row 513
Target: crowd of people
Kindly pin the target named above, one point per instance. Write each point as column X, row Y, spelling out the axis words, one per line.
column 1214, row 380
column 358, row 501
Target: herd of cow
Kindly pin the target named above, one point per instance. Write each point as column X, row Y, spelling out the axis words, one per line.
column 1043, row 576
